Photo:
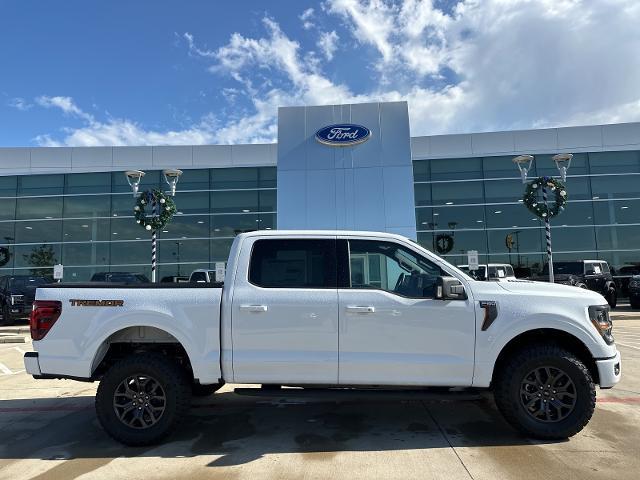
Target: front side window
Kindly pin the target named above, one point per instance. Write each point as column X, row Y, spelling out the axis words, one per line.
column 294, row 263
column 393, row 268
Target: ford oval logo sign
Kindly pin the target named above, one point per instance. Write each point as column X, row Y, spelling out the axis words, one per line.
column 343, row 135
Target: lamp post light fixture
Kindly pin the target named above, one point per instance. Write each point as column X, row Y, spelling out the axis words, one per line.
column 563, row 162
column 171, row 176
column 523, row 162
column 134, row 177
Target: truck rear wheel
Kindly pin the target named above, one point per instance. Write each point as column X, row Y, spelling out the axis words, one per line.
column 142, row 398
column 545, row 392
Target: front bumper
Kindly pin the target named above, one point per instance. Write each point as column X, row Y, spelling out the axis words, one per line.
column 609, row 370
column 32, row 364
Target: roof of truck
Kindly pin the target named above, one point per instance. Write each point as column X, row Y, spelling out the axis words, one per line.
column 354, row 233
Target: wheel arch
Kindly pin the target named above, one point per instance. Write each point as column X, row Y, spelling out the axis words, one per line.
column 549, row 336
column 138, row 339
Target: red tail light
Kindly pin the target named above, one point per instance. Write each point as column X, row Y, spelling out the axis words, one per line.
column 43, row 316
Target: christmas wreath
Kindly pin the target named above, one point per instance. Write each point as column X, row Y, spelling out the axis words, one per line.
column 165, row 210
column 5, row 256
column 444, row 243
column 537, row 207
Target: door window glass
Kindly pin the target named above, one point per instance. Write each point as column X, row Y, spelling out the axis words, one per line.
column 393, row 268
column 296, row 263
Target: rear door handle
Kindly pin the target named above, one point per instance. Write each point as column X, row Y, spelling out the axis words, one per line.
column 253, row 308
column 360, row 309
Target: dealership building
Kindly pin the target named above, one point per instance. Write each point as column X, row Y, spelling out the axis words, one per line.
column 451, row 193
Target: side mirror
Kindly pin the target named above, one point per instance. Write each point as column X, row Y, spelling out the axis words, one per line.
column 449, row 288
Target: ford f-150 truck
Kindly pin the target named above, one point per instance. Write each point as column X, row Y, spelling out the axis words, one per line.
column 341, row 310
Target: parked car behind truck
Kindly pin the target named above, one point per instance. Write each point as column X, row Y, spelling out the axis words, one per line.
column 17, row 293
column 292, row 313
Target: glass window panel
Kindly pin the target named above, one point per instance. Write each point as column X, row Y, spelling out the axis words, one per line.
column 7, row 208
column 572, row 238
column 87, row 206
column 232, row 225
column 220, row 250
column 459, row 259
column 615, row 186
column 8, row 186
column 191, row 202
column 421, row 171
column 452, row 218
column 38, row 231
column 545, row 166
column 509, row 216
column 122, row 205
column 622, row 263
column 48, row 207
column 183, row 226
column 176, row 251
column 455, row 168
column 83, row 254
column 462, row 242
column 88, row 183
column 7, row 232
column 37, row 259
column 422, row 193
column 234, row 202
column 575, row 213
column 621, row 211
column 127, row 229
column 614, row 162
column 122, row 253
column 9, row 259
column 521, row 241
column 86, row 230
column 524, row 266
column 500, row 167
column 267, row 200
column 79, row 273
column 40, row 185
column 455, row 193
column 232, row 178
column 618, row 238
column 268, row 177
column 191, row 179
column 498, row 191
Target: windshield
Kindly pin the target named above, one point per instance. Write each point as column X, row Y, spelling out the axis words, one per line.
column 564, row 268
column 24, row 282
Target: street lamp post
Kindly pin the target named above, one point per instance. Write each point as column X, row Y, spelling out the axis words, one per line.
column 562, row 161
column 171, row 176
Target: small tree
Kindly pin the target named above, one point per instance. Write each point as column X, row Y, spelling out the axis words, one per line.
column 40, row 257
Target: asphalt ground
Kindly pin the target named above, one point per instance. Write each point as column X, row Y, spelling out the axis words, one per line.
column 48, row 430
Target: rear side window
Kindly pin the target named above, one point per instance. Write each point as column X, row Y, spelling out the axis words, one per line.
column 198, row 277
column 296, row 263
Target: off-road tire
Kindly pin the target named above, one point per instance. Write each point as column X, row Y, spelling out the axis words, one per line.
column 507, row 384
column 173, row 380
column 198, row 390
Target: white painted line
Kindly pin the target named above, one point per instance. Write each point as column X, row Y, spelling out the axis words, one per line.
column 19, row 350
column 4, row 369
column 19, row 371
column 629, row 346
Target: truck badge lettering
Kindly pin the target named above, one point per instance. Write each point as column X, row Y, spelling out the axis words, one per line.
column 96, row 303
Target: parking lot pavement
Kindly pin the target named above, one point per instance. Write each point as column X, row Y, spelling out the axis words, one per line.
column 48, row 430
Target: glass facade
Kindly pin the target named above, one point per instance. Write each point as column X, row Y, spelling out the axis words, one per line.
column 85, row 221
column 475, row 204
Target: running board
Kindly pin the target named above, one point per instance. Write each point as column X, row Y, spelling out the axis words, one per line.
column 353, row 393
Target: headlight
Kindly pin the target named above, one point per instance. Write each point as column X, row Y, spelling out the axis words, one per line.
column 599, row 315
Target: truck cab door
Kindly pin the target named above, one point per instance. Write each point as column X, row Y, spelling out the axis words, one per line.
column 285, row 311
column 392, row 329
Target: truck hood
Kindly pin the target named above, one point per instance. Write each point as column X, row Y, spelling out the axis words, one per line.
column 545, row 289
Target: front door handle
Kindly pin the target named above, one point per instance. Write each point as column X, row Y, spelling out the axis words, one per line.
column 360, row 309
column 253, row 308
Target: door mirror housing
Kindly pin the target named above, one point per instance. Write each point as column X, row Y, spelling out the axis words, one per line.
column 450, row 288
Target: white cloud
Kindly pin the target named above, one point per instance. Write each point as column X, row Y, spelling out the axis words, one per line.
column 328, row 43
column 306, row 17
column 19, row 104
column 65, row 104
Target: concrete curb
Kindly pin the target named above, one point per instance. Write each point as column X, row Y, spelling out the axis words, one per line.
column 12, row 339
column 14, row 330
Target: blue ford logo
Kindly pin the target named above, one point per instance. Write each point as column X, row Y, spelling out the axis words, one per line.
column 343, row 135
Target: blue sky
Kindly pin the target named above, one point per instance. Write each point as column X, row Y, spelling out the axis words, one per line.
column 159, row 72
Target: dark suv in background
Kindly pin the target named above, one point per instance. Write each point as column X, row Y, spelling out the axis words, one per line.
column 590, row 274
column 17, row 293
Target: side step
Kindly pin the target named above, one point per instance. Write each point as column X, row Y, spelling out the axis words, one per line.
column 335, row 394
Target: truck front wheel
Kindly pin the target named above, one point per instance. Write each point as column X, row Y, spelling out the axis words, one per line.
column 545, row 392
column 142, row 398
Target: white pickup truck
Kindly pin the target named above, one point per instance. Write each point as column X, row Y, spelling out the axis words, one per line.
column 341, row 310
